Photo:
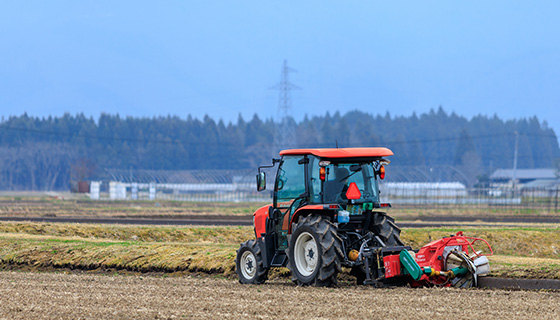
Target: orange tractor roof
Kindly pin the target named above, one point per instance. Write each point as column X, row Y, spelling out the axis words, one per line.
column 336, row 153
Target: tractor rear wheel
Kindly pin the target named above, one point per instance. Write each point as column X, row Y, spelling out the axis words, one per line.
column 314, row 252
column 249, row 263
column 385, row 228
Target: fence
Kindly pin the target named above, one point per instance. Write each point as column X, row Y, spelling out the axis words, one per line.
column 400, row 195
column 543, row 199
column 209, row 192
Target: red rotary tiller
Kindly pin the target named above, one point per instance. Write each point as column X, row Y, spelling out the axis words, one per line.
column 451, row 261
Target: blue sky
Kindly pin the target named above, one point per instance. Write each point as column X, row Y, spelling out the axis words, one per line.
column 222, row 57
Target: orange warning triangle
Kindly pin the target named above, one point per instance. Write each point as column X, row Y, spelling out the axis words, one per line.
column 353, row 192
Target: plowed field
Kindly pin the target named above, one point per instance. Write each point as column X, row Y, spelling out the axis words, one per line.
column 86, row 296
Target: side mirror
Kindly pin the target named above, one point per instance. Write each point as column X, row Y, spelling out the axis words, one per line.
column 261, row 181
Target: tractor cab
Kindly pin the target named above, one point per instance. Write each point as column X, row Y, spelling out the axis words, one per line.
column 327, row 176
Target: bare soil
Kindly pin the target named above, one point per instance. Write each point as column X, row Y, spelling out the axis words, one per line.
column 85, row 296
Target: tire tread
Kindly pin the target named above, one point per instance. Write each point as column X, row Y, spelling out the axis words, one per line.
column 330, row 247
column 262, row 272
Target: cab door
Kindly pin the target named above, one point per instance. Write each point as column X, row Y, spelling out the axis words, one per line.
column 289, row 193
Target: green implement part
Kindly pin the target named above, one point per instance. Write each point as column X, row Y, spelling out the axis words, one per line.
column 460, row 271
column 410, row 265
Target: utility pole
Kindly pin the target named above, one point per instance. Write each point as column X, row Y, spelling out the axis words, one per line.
column 516, row 150
column 284, row 136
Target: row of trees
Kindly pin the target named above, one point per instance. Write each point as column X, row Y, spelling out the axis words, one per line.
column 43, row 153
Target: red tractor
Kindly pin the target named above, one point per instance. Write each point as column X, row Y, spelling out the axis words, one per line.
column 325, row 215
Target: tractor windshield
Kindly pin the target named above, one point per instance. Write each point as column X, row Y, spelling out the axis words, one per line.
column 340, row 177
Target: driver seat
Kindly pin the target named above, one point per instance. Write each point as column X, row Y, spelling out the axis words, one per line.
column 334, row 187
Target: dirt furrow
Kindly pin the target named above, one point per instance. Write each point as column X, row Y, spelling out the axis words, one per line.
column 81, row 296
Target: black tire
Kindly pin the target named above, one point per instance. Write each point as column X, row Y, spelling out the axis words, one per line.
column 385, row 228
column 249, row 264
column 314, row 252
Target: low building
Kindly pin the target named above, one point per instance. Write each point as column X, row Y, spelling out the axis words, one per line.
column 523, row 176
column 424, row 189
column 543, row 182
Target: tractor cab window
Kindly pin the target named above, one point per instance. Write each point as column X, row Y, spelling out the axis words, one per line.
column 315, row 185
column 291, row 180
column 340, row 176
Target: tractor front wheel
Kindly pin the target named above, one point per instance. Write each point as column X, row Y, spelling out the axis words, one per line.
column 314, row 252
column 249, row 264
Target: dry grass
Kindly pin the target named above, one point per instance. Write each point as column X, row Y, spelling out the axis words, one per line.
column 524, row 267
column 113, row 247
column 80, row 296
column 211, row 234
column 40, row 253
column 29, row 206
column 412, row 212
column 538, row 242
column 521, row 252
column 41, row 207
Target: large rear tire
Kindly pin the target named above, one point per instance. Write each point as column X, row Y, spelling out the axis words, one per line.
column 249, row 263
column 385, row 228
column 314, row 252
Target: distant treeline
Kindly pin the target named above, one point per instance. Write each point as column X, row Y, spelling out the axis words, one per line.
column 47, row 153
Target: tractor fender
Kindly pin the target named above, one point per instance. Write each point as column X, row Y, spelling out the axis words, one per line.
column 259, row 220
column 307, row 210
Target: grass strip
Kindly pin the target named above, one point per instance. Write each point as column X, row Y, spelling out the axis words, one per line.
column 520, row 252
column 78, row 254
column 211, row 234
column 536, row 242
column 75, row 205
column 524, row 267
column 12, row 206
